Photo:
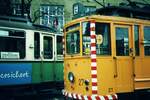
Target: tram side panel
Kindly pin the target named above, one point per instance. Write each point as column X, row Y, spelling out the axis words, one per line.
column 21, row 68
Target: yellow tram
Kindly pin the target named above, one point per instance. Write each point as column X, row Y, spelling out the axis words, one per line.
column 106, row 55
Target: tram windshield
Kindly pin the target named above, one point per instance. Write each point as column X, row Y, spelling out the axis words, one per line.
column 12, row 44
column 73, row 39
column 101, row 29
column 73, row 42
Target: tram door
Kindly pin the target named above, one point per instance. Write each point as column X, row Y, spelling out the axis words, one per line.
column 47, row 67
column 123, row 58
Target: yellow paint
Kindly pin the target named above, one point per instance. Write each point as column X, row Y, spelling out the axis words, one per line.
column 116, row 74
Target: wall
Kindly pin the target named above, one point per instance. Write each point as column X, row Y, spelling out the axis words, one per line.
column 68, row 5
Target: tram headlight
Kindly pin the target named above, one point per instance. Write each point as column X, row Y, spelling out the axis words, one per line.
column 71, row 77
column 86, row 82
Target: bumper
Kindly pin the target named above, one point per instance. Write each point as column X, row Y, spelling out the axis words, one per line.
column 86, row 97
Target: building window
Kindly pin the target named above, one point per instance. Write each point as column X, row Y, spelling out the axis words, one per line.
column 89, row 9
column 52, row 16
column 17, row 9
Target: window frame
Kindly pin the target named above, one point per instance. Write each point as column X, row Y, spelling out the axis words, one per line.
column 70, row 32
column 49, row 22
column 58, row 57
column 128, row 34
column 104, row 22
column 144, row 40
column 17, row 9
column 44, row 45
column 137, row 32
column 24, row 37
column 37, row 47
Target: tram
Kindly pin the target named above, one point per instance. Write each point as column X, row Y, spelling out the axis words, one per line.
column 107, row 55
column 31, row 57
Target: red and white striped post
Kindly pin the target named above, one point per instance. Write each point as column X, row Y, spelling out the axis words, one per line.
column 93, row 59
column 94, row 95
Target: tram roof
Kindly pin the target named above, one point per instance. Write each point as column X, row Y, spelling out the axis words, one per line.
column 107, row 18
column 15, row 22
column 125, row 11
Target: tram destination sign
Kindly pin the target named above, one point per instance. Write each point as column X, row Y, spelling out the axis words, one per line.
column 12, row 74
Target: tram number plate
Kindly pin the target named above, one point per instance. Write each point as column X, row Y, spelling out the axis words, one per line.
column 81, row 82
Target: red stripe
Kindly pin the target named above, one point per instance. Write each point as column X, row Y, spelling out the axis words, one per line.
column 94, row 83
column 93, row 44
column 114, row 97
column 72, row 95
column 93, row 68
column 92, row 28
column 94, row 91
column 93, row 52
column 89, row 97
column 106, row 97
column 77, row 96
column 93, row 36
column 94, row 76
column 98, row 98
column 93, row 60
column 82, row 97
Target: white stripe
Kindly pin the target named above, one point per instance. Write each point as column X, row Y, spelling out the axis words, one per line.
column 70, row 95
column 93, row 48
column 94, row 97
column 93, row 56
column 93, row 64
column 93, row 71
column 92, row 24
column 74, row 96
column 66, row 93
column 109, row 97
column 94, row 79
column 94, row 87
column 85, row 97
column 116, row 95
column 79, row 96
column 102, row 98
column 92, row 33
column 93, row 40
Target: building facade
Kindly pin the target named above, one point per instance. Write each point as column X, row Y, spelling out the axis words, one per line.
column 55, row 13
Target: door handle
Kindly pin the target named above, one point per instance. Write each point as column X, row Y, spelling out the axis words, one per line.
column 115, row 67
column 131, row 51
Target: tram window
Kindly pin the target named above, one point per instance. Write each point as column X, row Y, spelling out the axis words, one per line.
column 136, row 39
column 59, row 45
column 101, row 29
column 36, row 45
column 12, row 44
column 147, row 40
column 73, row 42
column 104, row 30
column 122, row 41
column 48, row 50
